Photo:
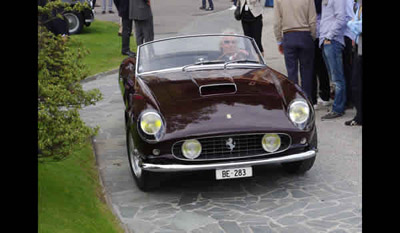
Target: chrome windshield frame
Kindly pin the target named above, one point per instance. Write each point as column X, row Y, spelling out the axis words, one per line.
column 203, row 67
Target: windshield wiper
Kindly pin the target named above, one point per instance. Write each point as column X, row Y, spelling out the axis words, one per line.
column 240, row 61
column 204, row 63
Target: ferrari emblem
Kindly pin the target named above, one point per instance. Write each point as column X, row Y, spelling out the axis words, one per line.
column 230, row 143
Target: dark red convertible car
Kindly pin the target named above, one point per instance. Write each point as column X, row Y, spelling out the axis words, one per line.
column 209, row 102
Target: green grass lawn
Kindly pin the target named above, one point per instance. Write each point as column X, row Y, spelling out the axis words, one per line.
column 69, row 192
column 102, row 40
column 70, row 199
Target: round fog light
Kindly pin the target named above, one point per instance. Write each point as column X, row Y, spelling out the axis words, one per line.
column 271, row 142
column 191, row 149
column 156, row 152
column 303, row 141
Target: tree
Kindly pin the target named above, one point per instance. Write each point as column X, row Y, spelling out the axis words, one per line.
column 60, row 94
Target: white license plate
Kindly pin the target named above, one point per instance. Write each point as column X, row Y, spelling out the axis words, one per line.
column 233, row 173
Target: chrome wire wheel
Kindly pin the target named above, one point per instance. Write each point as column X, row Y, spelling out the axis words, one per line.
column 134, row 157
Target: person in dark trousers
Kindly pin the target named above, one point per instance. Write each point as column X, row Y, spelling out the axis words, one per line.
column 143, row 17
column 320, row 74
column 252, row 22
column 210, row 5
column 347, row 52
column 356, row 26
column 140, row 12
column 123, row 7
column 295, row 31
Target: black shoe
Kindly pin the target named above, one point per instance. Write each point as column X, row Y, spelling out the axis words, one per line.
column 352, row 123
column 129, row 53
column 103, row 12
column 111, row 12
column 210, row 9
column 332, row 115
column 202, row 8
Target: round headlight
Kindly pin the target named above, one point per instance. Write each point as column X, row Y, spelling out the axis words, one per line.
column 191, row 149
column 271, row 142
column 299, row 111
column 150, row 123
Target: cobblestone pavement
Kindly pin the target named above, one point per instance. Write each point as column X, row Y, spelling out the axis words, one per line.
column 325, row 199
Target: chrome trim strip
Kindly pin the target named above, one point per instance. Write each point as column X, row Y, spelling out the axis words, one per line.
column 202, row 67
column 197, row 167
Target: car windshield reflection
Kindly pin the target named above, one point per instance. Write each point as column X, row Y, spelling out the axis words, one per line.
column 200, row 51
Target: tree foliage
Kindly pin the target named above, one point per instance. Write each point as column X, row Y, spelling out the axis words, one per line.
column 60, row 94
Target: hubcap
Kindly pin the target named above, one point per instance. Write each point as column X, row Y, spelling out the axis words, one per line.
column 73, row 22
column 134, row 157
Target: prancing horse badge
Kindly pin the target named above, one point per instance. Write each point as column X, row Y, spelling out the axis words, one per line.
column 230, row 143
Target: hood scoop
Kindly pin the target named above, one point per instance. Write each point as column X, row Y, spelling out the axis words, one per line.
column 217, row 89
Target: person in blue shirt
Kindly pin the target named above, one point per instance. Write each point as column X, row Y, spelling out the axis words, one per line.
column 331, row 40
column 355, row 25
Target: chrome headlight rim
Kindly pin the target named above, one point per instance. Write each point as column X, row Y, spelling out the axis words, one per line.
column 273, row 135
column 295, row 103
column 184, row 151
column 157, row 115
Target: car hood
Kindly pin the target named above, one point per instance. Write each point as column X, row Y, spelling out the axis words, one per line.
column 243, row 100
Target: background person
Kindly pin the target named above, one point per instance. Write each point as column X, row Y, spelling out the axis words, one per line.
column 356, row 26
column 104, row 6
column 295, row 31
column 320, row 92
column 123, row 7
column 331, row 39
column 143, row 17
column 252, row 23
column 210, row 5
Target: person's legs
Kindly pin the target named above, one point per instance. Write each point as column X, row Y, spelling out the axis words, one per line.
column 126, row 30
column 290, row 52
column 357, row 87
column 148, row 30
column 333, row 55
column 139, row 32
column 347, row 67
column 322, row 73
column 203, row 4
column 306, row 59
column 210, row 4
column 257, row 32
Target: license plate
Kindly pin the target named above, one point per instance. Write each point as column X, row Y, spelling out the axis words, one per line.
column 233, row 173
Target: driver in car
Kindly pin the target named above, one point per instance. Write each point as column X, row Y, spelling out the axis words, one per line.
column 230, row 51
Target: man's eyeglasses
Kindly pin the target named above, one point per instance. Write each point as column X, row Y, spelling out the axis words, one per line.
column 229, row 42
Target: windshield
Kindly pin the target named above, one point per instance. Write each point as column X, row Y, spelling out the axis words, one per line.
column 182, row 52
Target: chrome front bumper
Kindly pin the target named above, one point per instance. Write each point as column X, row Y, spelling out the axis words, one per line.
column 197, row 167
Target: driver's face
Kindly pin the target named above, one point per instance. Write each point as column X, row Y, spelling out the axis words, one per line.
column 229, row 44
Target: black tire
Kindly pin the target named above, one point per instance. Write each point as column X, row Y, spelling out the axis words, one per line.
column 299, row 167
column 75, row 22
column 303, row 166
column 144, row 180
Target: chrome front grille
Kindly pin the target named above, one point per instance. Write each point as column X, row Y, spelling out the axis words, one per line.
column 231, row 146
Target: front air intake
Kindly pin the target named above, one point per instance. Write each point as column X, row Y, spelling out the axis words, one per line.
column 216, row 89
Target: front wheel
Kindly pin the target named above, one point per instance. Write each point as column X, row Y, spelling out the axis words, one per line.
column 303, row 165
column 299, row 166
column 75, row 22
column 144, row 179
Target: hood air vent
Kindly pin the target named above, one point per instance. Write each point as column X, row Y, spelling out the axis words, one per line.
column 216, row 89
